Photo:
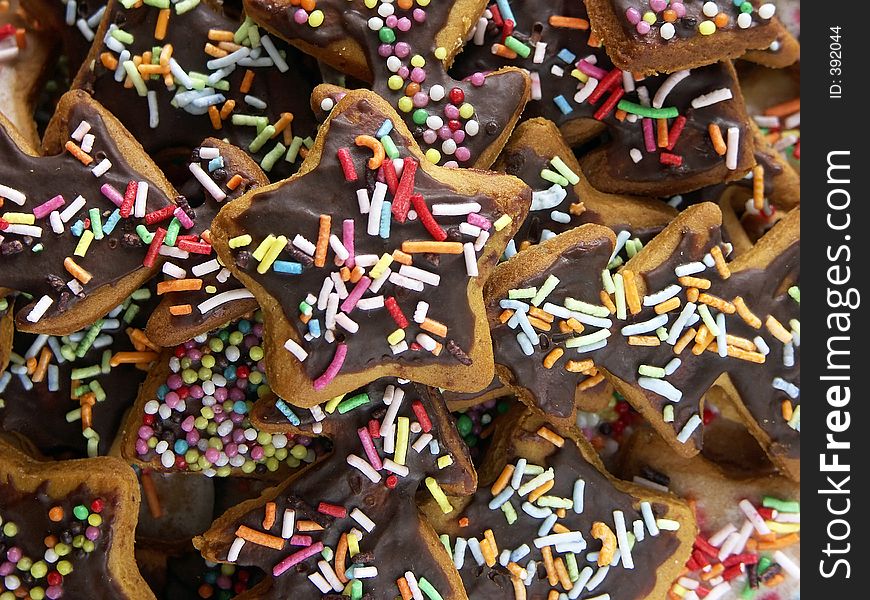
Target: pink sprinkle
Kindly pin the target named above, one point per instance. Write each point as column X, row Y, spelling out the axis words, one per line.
column 366, row 438
column 183, row 217
column 679, row 8
column 633, row 15
column 477, row 79
column 347, row 240
column 353, row 297
column 642, row 28
column 658, row 5
column 296, row 558
column 44, row 209
column 301, row 540
column 462, row 154
column 112, row 194
column 649, row 139
column 300, row 16
column 479, row 221
column 588, row 68
column 331, row 371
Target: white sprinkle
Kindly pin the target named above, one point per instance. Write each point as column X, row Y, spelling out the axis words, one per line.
column 364, row 467
column 40, row 309
column 535, row 511
column 321, row 583
column 374, row 221
column 688, row 429
column 761, row 345
column 690, row 269
column 295, row 349
column 667, row 86
column 420, row 274
column 304, row 245
column 272, row 51
column 645, row 326
column 459, row 548
column 714, row 97
column 140, row 206
column 288, row 523
column 678, row 326
column 101, row 168
column 372, row 303
column 454, row 210
column 235, row 549
column 470, row 259
column 78, row 134
column 412, row 584
column 733, row 144
column 579, row 489
column 363, row 519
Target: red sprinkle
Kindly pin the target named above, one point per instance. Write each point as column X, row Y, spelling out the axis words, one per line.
column 3, row 224
column 496, row 15
column 427, row 219
column 505, row 31
column 457, row 96
column 699, row 558
column 402, row 197
column 702, row 591
column 611, row 102
column 159, row 215
column 347, row 164
column 195, row 247
column 388, row 170
column 333, row 510
column 607, row 82
column 674, row 160
column 375, row 429
column 737, row 559
column 705, row 547
column 97, row 505
column 6, row 30
column 154, row 248
column 391, row 481
column 733, row 572
column 54, row 578
column 396, row 312
column 676, row 130
column 422, row 417
column 129, row 199
column 766, row 513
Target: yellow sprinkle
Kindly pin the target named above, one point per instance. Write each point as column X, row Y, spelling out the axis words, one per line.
column 17, row 218
column 264, row 246
column 439, row 495
column 210, row 289
column 383, row 262
column 402, row 430
column 240, row 241
column 578, row 74
column 502, row 222
column 84, row 242
column 445, row 461
column 396, row 337
column 332, row 404
column 352, row 544
column 272, row 253
column 778, row 527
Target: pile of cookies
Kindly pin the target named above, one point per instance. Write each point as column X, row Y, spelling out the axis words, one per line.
column 379, row 299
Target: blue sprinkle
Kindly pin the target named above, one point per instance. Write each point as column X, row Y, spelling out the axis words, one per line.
column 386, row 128
column 285, row 266
column 287, row 412
column 162, row 391
column 504, row 8
column 566, row 55
column 314, row 328
column 563, row 104
column 240, row 407
column 77, row 228
column 181, row 446
column 511, row 249
column 386, row 218
column 110, row 223
column 244, row 326
column 215, row 164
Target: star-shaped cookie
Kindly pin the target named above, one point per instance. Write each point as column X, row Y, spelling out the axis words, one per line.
column 176, row 75
column 548, row 520
column 221, row 172
column 365, row 272
column 79, row 243
column 350, row 522
column 404, row 48
column 73, row 522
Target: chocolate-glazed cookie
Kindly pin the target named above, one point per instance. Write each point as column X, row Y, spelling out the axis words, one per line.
column 404, row 49
column 64, row 239
column 340, row 312
column 206, row 74
column 389, row 439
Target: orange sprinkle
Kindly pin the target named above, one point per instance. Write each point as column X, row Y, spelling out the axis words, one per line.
column 402, row 258
column 714, row 571
column 82, row 156
column 179, row 285
column 76, row 271
column 692, row 294
column 305, row 526
column 434, row 327
column 562, row 573
column 667, row 306
column 31, row 365
column 214, row 51
column 758, row 187
column 488, row 552
column 620, row 115
column 340, row 555
column 632, row 298
column 502, row 481
column 607, row 302
column 377, row 149
column 552, row 595
column 55, row 514
column 356, row 274
column 129, row 358
column 404, row 589
column 269, row 517
column 787, row 410
column 247, row 82
column 784, row 108
column 179, row 310
column 220, row 35
column 747, row 315
column 344, row 274
column 138, row 337
column 662, row 133
column 215, row 116
column 227, row 109
column 716, row 137
column 568, row 22
column 108, row 60
column 698, row 282
column 721, row 266
column 541, row 490
column 146, row 70
column 41, row 365
column 405, row 4
column 432, row 247
column 539, row 324
column 721, row 20
column 228, row 46
column 593, row 40
column 780, row 542
column 463, row 522
column 717, row 303
column 551, row 436
column 591, row 382
column 575, row 325
column 755, row 357
column 322, row 240
column 778, row 331
column 684, row 340
column 551, row 358
column 564, row 327
column 643, row 340
column 558, row 527
column 740, row 342
column 534, row 311
column 152, row 498
column 162, row 23
column 775, row 580
column 234, row 182
column 552, row 576
column 166, row 54
column 577, row 209
column 579, row 366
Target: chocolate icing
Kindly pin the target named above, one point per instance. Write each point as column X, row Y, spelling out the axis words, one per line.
column 51, row 433
column 178, row 129
column 90, row 577
column 108, row 260
column 600, row 500
column 495, row 102
column 394, row 542
column 367, row 347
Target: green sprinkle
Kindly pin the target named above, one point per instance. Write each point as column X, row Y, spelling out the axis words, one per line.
column 510, row 512
column 517, row 46
column 795, row 292
column 648, row 111
column 80, row 391
column 445, row 541
column 571, row 565
column 784, row 506
column 157, row 3
column 96, row 222
column 74, row 415
column 427, row 589
column 386, row 35
column 81, row 512
column 4, row 304
column 262, row 138
column 68, row 352
column 122, row 36
column 293, row 150
column 241, row 33
column 172, row 231
column 648, row 371
column 668, row 413
column 144, row 235
column 662, row 334
column 327, row 553
column 98, row 390
column 136, row 78
column 85, row 372
column 88, row 340
column 553, row 177
column 254, row 36
column 764, row 564
column 93, row 449
column 348, row 404
column 272, row 157
column 309, row 142
column 522, row 293
column 131, row 313
column 140, row 295
column 186, row 6
column 247, row 120
column 105, row 364
column 546, row 288
column 564, row 170
column 356, row 589
column 128, row 4
column 389, row 147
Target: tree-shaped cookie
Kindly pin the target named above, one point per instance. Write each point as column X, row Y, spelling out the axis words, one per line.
column 370, row 261
column 77, row 219
column 403, row 48
column 67, row 528
column 349, row 523
column 199, row 293
column 80, row 385
column 548, row 521
column 657, row 36
column 177, row 74
column 672, row 321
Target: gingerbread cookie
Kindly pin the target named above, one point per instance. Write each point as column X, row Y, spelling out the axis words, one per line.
column 80, row 385
column 658, row 37
column 7, row 329
column 740, row 319
column 221, row 172
column 349, row 522
column 193, row 412
column 399, row 293
column 750, row 525
column 548, row 520
column 176, row 75
column 78, row 244
column 782, row 52
column 404, row 50
column 68, row 528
